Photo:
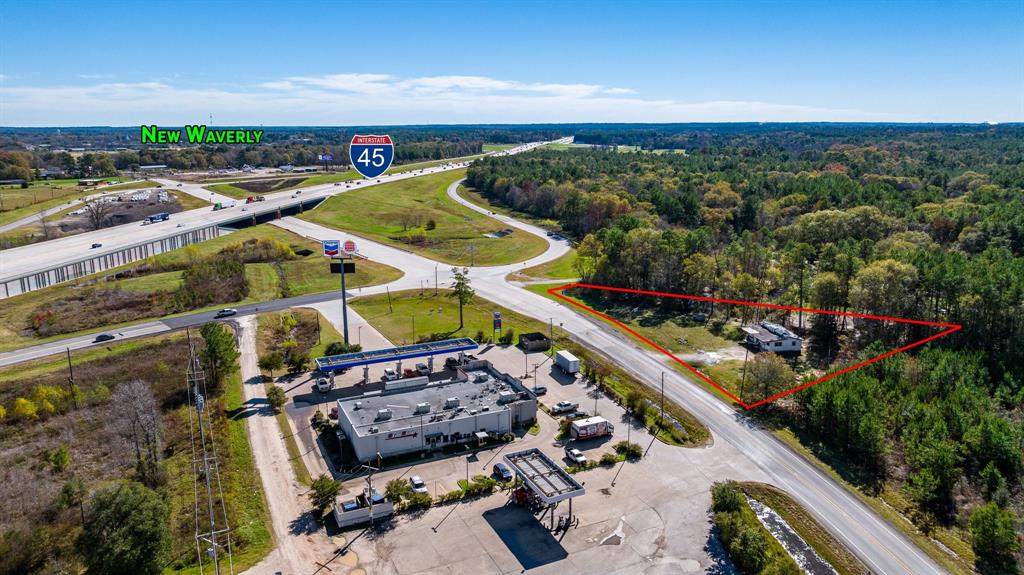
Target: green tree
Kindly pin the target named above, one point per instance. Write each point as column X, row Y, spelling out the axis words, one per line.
column 749, row 550
column 993, row 536
column 276, row 397
column 770, row 373
column 323, row 492
column 219, row 354
column 726, row 497
column 125, row 531
column 461, row 290
column 271, row 362
column 397, row 489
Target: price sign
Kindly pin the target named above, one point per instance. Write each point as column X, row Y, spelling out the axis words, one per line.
column 371, row 155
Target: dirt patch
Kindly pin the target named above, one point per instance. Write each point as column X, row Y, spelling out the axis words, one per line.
column 269, row 185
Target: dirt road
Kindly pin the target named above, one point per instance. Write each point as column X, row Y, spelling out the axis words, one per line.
column 300, row 542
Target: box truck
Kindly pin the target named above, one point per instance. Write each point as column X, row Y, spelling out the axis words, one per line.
column 567, row 362
column 591, row 427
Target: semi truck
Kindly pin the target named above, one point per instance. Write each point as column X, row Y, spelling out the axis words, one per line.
column 567, row 362
column 591, row 427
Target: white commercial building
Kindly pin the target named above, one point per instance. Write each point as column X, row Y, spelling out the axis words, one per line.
column 416, row 414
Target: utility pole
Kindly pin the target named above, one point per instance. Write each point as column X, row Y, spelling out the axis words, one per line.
column 435, row 279
column 663, row 397
column 743, row 378
column 71, row 380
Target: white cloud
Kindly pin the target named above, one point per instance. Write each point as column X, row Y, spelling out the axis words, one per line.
column 351, row 99
column 95, row 76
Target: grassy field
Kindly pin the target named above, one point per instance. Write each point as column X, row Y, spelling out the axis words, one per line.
column 810, row 530
column 307, row 274
column 395, row 322
column 94, row 457
column 399, row 214
column 17, row 203
column 557, row 269
column 498, row 147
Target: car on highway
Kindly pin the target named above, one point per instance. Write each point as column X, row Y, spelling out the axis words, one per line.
column 103, row 337
column 575, row 455
column 564, row 407
column 417, row 484
column 226, row 312
column 323, row 385
column 502, row 472
column 179, row 185
column 94, row 246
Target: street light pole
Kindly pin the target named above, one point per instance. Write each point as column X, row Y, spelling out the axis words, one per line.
column 435, row 279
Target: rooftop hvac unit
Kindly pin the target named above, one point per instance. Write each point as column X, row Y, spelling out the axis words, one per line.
column 506, row 396
column 422, row 408
column 383, row 414
column 374, row 429
column 451, row 402
column 357, row 405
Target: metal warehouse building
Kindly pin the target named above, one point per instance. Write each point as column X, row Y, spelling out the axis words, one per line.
column 416, row 414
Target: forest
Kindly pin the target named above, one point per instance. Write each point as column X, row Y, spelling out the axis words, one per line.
column 923, row 222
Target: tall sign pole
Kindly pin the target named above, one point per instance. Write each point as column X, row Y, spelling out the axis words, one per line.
column 341, row 256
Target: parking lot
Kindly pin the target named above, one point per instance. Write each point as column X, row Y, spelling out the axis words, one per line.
column 646, row 516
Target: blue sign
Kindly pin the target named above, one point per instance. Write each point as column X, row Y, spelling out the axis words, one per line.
column 332, row 248
column 326, row 157
column 371, row 155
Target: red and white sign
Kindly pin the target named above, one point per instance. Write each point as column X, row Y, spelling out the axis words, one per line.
column 349, row 247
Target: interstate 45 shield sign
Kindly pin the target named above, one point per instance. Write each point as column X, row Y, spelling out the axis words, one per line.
column 371, row 155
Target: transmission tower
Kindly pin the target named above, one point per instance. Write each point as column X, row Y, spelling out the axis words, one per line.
column 204, row 464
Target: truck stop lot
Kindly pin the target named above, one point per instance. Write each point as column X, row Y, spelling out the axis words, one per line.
column 649, row 521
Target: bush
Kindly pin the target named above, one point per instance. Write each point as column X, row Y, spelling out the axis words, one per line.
column 608, row 460
column 418, row 501
column 25, row 409
column 298, row 361
column 397, row 489
column 725, row 497
column 340, row 347
column 629, row 449
column 431, row 224
column 480, row 337
column 59, row 457
column 323, row 492
column 3, row 412
column 507, row 336
column 276, row 397
column 450, row 496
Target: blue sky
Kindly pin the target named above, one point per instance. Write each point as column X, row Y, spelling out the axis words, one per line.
column 330, row 63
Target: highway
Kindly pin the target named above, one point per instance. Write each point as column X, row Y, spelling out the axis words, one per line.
column 881, row 546
column 41, row 256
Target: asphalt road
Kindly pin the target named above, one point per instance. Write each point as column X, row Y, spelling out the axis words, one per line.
column 881, row 546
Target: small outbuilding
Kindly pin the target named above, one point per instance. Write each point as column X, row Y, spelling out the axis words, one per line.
column 534, row 341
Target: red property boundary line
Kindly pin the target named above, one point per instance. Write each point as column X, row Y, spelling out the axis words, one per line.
column 950, row 328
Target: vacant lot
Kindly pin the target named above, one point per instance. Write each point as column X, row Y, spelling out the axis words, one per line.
column 17, row 202
column 123, row 295
column 38, row 528
column 418, row 215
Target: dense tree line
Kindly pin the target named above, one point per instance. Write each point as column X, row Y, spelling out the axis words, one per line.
column 922, row 223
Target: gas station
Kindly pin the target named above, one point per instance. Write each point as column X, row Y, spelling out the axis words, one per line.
column 545, row 485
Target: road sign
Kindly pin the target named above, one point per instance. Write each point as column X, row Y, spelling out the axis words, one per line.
column 350, row 267
column 371, row 155
column 332, row 248
column 497, row 320
column 349, row 247
column 326, row 157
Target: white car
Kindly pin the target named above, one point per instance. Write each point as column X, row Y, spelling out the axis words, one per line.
column 575, row 455
column 389, row 374
column 323, row 385
column 417, row 484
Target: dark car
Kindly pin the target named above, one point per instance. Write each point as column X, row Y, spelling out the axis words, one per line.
column 502, row 472
column 540, row 390
column 103, row 337
column 94, row 246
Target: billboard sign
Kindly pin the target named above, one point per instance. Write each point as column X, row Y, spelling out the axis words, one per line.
column 371, row 155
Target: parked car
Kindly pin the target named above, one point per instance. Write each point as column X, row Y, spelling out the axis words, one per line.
column 94, row 246
column 422, row 369
column 575, row 455
column 564, row 407
column 417, row 484
column 501, row 471
column 103, row 337
column 226, row 312
column 389, row 374
column 323, row 385
column 540, row 390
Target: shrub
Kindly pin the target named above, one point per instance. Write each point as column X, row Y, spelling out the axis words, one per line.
column 340, row 347
column 450, row 496
column 608, row 460
column 3, row 412
column 59, row 457
column 323, row 491
column 398, row 489
column 298, row 361
column 25, row 409
column 725, row 497
column 507, row 336
column 431, row 224
column 480, row 337
column 629, row 449
column 276, row 397
column 418, row 501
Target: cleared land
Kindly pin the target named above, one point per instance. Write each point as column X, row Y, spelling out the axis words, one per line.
column 30, row 492
column 417, row 215
column 115, row 298
column 17, row 202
